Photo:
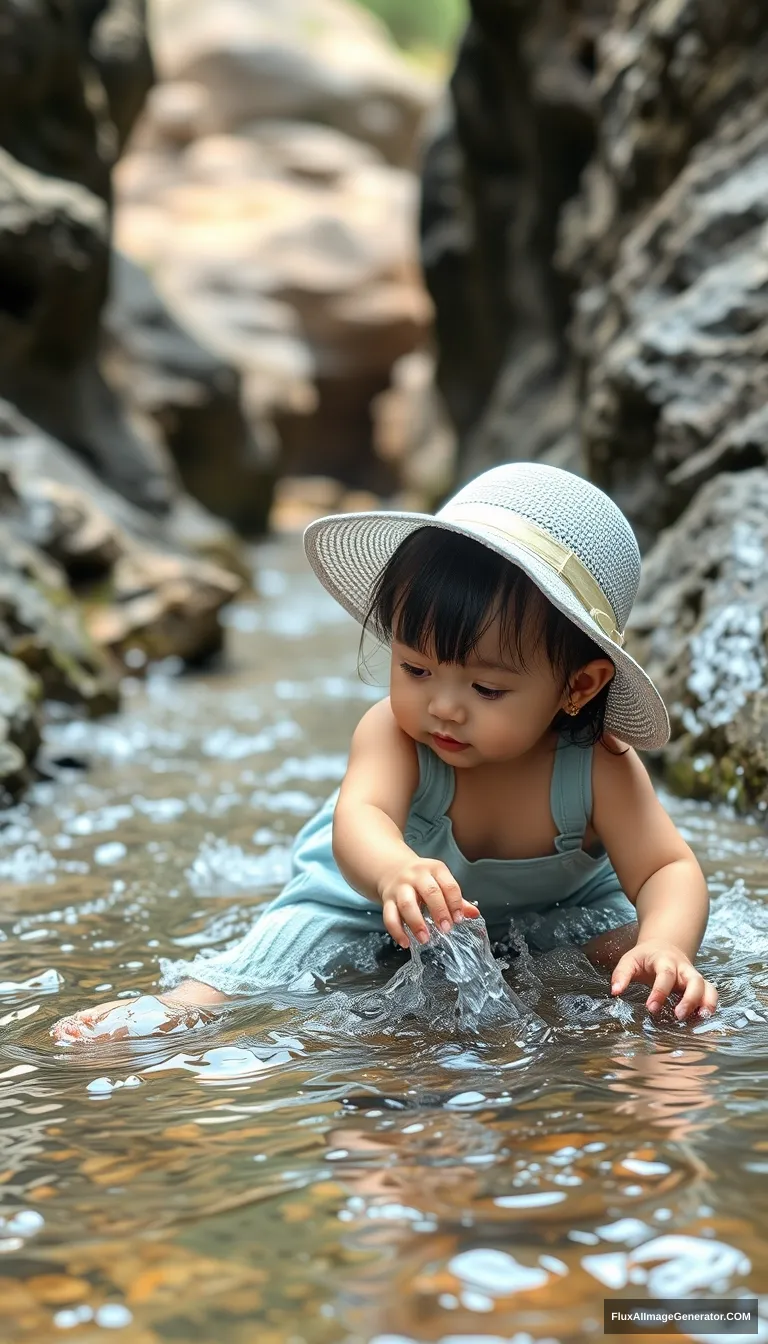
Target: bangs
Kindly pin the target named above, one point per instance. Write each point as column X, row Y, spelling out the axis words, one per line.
column 440, row 592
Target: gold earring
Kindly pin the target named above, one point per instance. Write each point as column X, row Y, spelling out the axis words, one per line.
column 571, row 709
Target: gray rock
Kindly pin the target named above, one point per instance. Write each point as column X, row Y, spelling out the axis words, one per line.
column 41, row 626
column 120, row 50
column 307, row 60
column 677, row 381
column 20, row 696
column 31, row 456
column 54, row 255
column 192, row 395
column 140, row 588
column 504, row 157
column 665, row 245
column 54, row 258
column 701, row 629
column 618, row 323
column 54, row 117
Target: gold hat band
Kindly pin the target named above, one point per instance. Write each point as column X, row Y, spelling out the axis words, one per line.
column 511, row 527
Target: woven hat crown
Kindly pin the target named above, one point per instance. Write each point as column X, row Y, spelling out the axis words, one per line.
column 574, row 512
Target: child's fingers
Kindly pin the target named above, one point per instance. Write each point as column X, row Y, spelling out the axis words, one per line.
column 410, row 911
column 666, row 979
column 394, row 925
column 451, row 893
column 623, row 973
column 709, row 1001
column 695, row 992
column 429, row 892
column 468, row 910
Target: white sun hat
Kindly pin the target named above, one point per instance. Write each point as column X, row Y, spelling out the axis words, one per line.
column 570, row 539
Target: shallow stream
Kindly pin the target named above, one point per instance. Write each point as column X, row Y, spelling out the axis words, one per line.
column 280, row 1177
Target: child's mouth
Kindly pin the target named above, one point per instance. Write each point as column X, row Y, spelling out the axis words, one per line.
column 449, row 743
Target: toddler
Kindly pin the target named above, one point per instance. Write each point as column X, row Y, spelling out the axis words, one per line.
column 499, row 777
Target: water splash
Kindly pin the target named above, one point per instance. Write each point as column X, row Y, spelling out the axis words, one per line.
column 454, row 981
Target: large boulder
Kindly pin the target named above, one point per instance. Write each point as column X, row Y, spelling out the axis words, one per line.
column 53, row 113
column 264, row 190
column 324, row 61
column 91, row 575
column 595, row 169
column 295, row 282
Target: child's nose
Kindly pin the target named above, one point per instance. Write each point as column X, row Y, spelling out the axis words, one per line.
column 447, row 707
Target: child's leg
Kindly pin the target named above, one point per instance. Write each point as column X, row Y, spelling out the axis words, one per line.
column 284, row 944
column 189, row 994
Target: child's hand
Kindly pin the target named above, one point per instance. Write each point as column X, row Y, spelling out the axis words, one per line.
column 666, row 968
column 422, row 882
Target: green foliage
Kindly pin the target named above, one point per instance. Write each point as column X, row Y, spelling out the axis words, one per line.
column 421, row 23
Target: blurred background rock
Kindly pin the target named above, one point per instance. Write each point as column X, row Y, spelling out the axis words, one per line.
column 264, row 259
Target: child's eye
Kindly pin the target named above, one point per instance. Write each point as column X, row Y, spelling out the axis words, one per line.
column 487, row 692
column 418, row 672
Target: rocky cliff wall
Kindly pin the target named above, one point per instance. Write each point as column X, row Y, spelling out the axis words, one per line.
column 595, row 238
column 96, row 532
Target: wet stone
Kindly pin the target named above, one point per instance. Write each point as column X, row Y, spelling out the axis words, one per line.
column 700, row 630
column 41, row 626
column 20, row 693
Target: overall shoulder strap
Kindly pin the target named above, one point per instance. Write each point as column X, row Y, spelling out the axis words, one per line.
column 437, row 782
column 571, row 794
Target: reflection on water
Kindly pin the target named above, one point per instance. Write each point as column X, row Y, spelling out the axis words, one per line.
column 273, row 1176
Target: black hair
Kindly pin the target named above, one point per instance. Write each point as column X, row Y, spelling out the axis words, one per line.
column 440, row 592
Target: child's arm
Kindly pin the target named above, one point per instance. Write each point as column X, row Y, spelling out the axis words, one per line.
column 368, row 824
column 659, row 873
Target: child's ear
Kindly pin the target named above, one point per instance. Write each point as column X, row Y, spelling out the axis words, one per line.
column 590, row 681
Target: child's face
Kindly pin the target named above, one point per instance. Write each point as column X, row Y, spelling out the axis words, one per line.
column 494, row 712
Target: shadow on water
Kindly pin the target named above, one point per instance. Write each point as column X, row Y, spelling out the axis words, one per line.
column 436, row 1151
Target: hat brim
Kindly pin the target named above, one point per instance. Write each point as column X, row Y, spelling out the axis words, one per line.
column 348, row 553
